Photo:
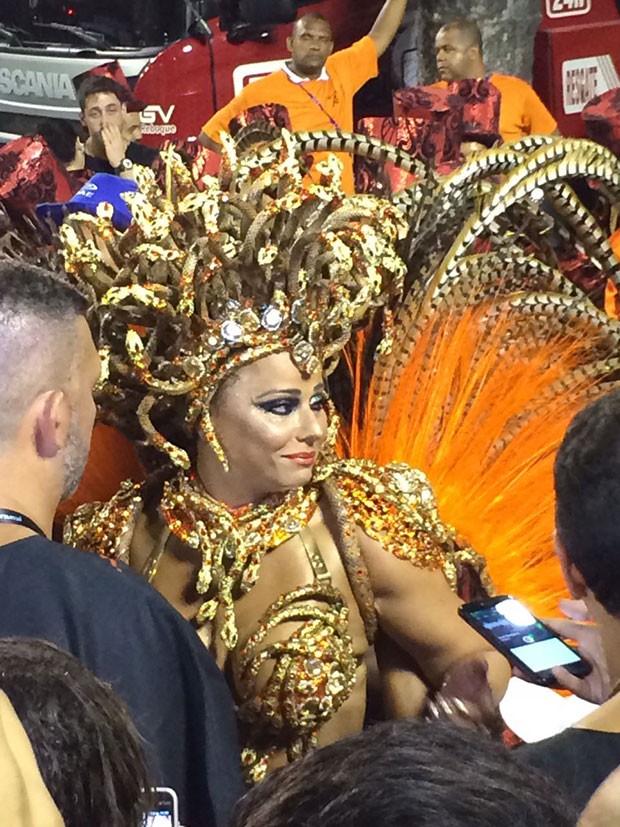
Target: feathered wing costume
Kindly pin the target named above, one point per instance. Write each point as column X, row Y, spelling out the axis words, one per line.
column 495, row 349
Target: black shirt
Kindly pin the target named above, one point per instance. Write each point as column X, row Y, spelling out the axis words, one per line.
column 580, row 759
column 137, row 154
column 126, row 633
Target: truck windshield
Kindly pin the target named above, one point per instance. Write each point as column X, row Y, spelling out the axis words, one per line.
column 91, row 23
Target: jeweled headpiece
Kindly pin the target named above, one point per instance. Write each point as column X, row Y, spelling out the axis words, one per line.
column 210, row 278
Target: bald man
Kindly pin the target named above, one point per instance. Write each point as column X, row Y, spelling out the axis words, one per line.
column 316, row 86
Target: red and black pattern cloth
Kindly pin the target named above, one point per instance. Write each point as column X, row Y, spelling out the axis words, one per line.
column 431, row 124
column 602, row 119
column 31, row 174
column 275, row 114
column 466, row 110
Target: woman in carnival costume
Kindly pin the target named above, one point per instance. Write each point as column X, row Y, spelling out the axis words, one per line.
column 220, row 314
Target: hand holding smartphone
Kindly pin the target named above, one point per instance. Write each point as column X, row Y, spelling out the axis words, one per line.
column 528, row 643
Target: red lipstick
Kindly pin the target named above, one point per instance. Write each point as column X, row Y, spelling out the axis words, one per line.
column 304, row 458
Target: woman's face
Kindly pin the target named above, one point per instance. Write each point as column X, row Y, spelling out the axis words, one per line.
column 271, row 423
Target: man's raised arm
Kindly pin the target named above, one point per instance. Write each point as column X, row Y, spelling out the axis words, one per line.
column 209, row 143
column 387, row 23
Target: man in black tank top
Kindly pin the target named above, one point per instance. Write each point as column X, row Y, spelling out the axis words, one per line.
column 99, row 611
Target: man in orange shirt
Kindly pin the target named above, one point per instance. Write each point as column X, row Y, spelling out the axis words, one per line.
column 458, row 49
column 316, row 86
column 612, row 294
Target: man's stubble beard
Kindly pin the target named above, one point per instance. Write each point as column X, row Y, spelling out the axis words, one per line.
column 76, row 457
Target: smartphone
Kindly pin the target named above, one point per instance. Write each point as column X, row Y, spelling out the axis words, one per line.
column 527, row 642
column 165, row 809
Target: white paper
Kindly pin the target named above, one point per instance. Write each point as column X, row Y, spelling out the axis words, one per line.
column 535, row 712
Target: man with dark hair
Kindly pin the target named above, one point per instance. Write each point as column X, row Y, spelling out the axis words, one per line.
column 105, row 106
column 587, row 491
column 402, row 773
column 104, row 614
column 316, row 86
column 458, row 50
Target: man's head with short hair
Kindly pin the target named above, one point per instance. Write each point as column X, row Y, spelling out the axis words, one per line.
column 87, row 749
column 102, row 101
column 97, row 84
column 587, row 493
column 49, row 368
column 60, row 136
column 458, row 51
column 310, row 17
column 401, row 773
column 310, row 44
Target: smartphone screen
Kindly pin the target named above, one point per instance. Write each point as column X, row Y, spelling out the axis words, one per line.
column 159, row 818
column 164, row 812
column 527, row 642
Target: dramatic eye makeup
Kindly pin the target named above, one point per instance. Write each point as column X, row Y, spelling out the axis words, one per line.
column 319, row 400
column 279, row 405
column 286, row 402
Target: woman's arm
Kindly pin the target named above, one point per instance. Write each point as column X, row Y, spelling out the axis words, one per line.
column 418, row 610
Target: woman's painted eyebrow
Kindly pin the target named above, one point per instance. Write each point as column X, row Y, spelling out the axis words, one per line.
column 288, row 391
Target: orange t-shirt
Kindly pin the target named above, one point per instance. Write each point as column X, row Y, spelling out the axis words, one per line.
column 612, row 299
column 521, row 111
column 347, row 70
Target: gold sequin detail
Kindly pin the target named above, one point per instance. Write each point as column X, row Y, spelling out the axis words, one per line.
column 395, row 505
column 232, row 544
column 106, row 528
column 314, row 674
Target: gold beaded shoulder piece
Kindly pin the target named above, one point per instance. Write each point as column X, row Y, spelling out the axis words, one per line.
column 395, row 505
column 106, row 528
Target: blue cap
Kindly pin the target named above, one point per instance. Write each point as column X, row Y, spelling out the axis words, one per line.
column 98, row 189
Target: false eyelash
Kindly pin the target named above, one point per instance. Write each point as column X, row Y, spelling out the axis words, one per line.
column 288, row 405
column 273, row 404
column 320, row 399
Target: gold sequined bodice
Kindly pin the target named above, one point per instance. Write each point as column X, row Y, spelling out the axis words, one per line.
column 299, row 655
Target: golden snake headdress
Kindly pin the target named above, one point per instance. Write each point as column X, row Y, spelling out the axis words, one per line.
column 209, row 279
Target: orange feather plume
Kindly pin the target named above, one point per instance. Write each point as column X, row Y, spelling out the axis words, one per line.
column 482, row 413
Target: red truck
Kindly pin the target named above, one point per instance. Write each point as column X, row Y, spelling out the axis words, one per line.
column 576, row 57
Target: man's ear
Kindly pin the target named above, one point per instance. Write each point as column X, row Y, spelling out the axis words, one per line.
column 123, row 108
column 572, row 576
column 289, row 44
column 52, row 420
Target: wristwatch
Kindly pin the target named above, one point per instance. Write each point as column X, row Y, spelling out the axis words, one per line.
column 125, row 166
